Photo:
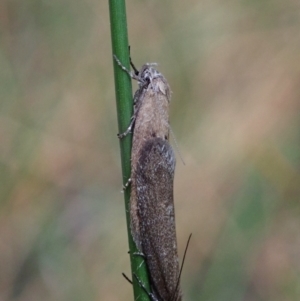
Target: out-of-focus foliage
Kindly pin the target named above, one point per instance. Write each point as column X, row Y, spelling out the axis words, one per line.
column 234, row 70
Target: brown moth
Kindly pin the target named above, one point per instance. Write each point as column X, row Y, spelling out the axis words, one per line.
column 152, row 176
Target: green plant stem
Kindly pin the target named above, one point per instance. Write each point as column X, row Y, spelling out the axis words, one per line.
column 124, row 98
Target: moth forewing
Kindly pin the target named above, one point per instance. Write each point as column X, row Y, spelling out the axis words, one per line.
column 151, row 120
column 154, row 177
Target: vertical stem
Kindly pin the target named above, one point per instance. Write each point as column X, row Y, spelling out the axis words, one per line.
column 123, row 90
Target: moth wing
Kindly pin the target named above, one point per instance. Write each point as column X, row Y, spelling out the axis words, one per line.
column 155, row 177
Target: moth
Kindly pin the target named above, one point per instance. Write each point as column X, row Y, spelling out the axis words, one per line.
column 152, row 176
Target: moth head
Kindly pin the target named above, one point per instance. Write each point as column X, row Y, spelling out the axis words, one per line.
column 148, row 73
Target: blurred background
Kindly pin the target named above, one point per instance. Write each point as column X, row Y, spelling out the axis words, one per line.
column 234, row 69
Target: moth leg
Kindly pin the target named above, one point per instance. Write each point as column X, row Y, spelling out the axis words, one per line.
column 139, row 254
column 131, row 74
column 137, row 96
column 140, row 265
column 150, row 295
column 122, row 135
column 126, row 185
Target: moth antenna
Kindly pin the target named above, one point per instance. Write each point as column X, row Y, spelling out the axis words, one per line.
column 125, row 276
column 136, row 72
column 183, row 259
column 177, row 148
